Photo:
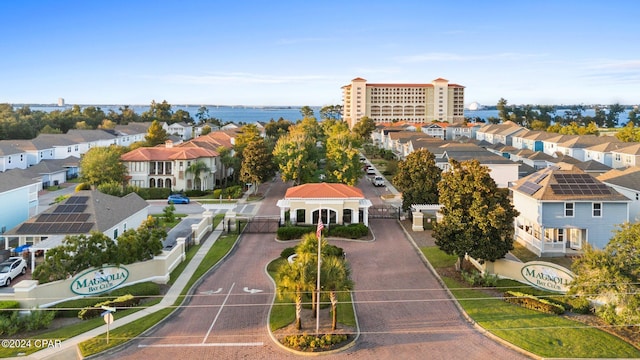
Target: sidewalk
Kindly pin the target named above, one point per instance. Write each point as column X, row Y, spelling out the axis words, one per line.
column 69, row 350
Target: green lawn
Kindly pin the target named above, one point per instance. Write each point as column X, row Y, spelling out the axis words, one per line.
column 541, row 334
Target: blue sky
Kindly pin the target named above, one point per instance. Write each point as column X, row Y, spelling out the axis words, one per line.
column 302, row 52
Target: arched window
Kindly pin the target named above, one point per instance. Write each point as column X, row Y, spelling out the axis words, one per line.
column 152, row 183
column 167, row 183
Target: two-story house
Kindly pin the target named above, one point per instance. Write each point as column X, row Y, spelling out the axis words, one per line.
column 562, row 209
column 626, row 156
column 627, row 182
column 19, row 197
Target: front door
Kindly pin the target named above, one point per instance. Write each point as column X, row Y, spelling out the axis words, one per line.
column 575, row 238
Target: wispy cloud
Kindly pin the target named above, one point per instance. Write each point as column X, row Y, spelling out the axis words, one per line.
column 237, row 77
column 619, row 71
column 428, row 57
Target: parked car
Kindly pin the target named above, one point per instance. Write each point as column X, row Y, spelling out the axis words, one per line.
column 177, row 199
column 378, row 181
column 11, row 269
column 371, row 171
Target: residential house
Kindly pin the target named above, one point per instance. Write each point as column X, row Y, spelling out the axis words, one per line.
column 626, row 156
column 80, row 214
column 576, row 146
column 627, row 182
column 169, row 166
column 12, row 156
column 495, row 133
column 181, row 129
column 503, row 171
column 562, row 209
column 19, row 196
column 602, row 153
column 436, row 129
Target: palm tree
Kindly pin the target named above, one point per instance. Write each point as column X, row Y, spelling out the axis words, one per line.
column 307, row 253
column 291, row 283
column 196, row 168
column 227, row 160
column 335, row 277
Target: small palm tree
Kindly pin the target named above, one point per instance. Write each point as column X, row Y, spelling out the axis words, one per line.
column 196, row 168
column 291, row 284
column 335, row 277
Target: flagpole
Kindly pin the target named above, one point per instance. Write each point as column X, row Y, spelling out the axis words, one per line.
column 319, row 235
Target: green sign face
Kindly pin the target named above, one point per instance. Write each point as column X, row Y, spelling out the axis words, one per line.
column 97, row 281
column 547, row 276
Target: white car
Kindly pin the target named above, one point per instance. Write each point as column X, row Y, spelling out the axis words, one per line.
column 378, row 181
column 11, row 269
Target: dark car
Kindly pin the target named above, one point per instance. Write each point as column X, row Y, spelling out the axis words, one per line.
column 177, row 199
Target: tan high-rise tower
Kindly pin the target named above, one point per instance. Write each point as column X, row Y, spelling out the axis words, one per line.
column 415, row 103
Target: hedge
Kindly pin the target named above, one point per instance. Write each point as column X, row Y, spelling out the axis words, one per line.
column 294, row 232
column 533, row 303
column 351, row 231
column 122, row 301
column 7, row 305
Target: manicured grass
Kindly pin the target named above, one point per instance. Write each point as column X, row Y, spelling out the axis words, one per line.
column 525, row 255
column 438, row 258
column 542, row 334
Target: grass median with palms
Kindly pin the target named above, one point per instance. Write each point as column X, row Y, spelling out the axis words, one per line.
column 541, row 334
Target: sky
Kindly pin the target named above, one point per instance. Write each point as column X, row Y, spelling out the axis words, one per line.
column 273, row 53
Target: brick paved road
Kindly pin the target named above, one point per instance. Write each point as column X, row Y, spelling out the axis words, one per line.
column 403, row 312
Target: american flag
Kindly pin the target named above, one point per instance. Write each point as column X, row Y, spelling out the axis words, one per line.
column 319, row 228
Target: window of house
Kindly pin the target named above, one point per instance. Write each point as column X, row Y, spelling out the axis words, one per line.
column 617, row 157
column 561, row 235
column 9, row 159
column 115, row 233
column 568, row 209
column 68, row 149
column 597, row 209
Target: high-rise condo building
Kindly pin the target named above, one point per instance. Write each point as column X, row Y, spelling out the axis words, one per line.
column 415, row 103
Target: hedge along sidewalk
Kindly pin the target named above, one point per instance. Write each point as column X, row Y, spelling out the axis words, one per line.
column 69, row 348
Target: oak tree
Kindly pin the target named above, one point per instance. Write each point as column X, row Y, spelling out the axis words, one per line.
column 417, row 178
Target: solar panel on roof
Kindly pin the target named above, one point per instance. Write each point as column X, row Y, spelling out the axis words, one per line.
column 540, row 177
column 529, row 188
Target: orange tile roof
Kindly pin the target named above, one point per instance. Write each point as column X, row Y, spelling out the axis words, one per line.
column 164, row 154
column 323, row 191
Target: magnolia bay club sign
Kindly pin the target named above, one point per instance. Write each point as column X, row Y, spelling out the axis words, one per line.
column 96, row 281
column 547, row 276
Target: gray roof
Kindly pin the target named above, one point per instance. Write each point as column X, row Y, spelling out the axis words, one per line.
column 10, row 147
column 96, row 212
column 628, row 178
column 81, row 136
column 11, row 180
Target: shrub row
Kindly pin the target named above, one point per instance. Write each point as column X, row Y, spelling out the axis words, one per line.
column 70, row 308
column 16, row 323
column 293, row 232
column 121, row 301
column 351, row 231
column 312, row 342
column 153, row 193
column 6, row 306
column 533, row 303
column 233, row 192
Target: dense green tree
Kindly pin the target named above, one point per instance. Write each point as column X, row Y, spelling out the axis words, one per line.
column 331, row 112
column 342, row 155
column 182, row 116
column 156, row 135
column 203, row 114
column 612, row 274
column 102, row 164
column 291, row 283
column 206, row 130
column 417, row 178
column 633, row 115
column 228, row 162
column 629, row 133
column 612, row 116
column 47, row 129
column 364, row 128
column 160, row 112
column 257, row 164
column 295, row 155
column 275, row 129
column 503, row 110
column 306, row 112
column 477, row 215
column 141, row 244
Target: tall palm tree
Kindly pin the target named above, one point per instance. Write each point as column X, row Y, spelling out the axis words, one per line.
column 335, row 277
column 227, row 160
column 291, row 284
column 196, row 168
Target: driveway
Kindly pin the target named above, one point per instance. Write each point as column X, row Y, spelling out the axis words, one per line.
column 403, row 312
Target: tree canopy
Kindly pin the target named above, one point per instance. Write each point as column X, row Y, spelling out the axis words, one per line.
column 477, row 215
column 102, row 165
column 257, row 164
column 156, row 135
column 612, row 274
column 417, row 178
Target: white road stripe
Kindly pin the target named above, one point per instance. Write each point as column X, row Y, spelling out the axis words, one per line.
column 218, row 314
column 202, row 345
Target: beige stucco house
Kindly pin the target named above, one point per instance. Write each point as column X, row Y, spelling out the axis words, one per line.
column 338, row 204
